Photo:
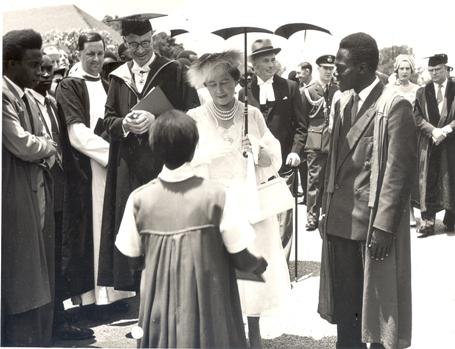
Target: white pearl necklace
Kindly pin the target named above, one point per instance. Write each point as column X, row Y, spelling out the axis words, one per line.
column 224, row 115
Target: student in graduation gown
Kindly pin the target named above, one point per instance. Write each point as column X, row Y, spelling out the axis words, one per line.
column 131, row 162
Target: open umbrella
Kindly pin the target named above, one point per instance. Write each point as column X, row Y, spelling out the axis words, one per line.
column 175, row 32
column 287, row 30
column 226, row 33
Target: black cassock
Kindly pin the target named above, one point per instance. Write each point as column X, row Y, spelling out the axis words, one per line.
column 132, row 163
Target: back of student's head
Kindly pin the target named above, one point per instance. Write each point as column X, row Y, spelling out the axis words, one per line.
column 173, row 137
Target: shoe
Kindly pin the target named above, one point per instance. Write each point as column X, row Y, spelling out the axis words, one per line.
column 71, row 332
column 426, row 230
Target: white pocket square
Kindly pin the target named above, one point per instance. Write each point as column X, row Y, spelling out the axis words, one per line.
column 285, row 97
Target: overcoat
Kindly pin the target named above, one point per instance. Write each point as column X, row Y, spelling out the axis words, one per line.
column 425, row 107
column 383, row 143
column 27, row 211
column 132, row 163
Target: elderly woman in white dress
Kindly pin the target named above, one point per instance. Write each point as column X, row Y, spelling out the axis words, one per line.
column 220, row 157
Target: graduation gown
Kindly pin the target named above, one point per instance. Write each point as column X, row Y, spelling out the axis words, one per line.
column 77, row 230
column 131, row 161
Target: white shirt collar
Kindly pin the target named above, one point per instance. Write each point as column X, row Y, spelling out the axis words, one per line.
column 145, row 68
column 436, row 86
column 38, row 97
column 178, row 175
column 19, row 91
column 367, row 90
column 261, row 82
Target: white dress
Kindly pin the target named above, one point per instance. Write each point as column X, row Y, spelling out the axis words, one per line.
column 97, row 149
column 219, row 157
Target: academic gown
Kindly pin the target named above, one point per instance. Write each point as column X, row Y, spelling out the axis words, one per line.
column 131, row 161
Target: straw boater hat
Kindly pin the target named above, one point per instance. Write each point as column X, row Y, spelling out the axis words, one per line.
column 201, row 69
column 262, row 47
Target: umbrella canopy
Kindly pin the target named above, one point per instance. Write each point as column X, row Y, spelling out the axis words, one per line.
column 287, row 30
column 175, row 32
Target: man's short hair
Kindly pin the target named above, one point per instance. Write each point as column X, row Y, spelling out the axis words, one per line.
column 88, row 37
column 173, row 137
column 15, row 43
column 362, row 48
column 306, row 65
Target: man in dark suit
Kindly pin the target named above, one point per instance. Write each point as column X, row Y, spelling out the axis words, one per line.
column 317, row 101
column 365, row 266
column 48, row 108
column 280, row 102
column 434, row 115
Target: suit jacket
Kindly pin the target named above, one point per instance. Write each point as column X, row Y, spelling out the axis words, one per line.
column 27, row 215
column 346, row 207
column 369, row 183
column 285, row 117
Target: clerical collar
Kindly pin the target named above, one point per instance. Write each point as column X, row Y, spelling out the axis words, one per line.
column 136, row 67
column 19, row 91
column 177, row 175
column 268, row 81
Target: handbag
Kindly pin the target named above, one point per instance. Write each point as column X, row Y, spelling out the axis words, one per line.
column 274, row 197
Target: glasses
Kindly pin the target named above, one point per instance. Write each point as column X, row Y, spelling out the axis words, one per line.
column 134, row 45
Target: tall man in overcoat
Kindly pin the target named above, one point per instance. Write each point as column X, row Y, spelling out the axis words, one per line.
column 434, row 114
column 27, row 230
column 281, row 104
column 365, row 268
column 317, row 101
column 132, row 163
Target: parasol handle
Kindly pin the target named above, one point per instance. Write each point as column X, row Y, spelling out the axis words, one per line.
column 245, row 110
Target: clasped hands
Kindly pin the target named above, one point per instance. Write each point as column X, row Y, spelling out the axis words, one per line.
column 439, row 134
column 380, row 244
column 137, row 121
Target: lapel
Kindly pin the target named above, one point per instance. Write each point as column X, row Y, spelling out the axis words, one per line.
column 364, row 118
column 280, row 88
column 254, row 93
column 22, row 111
column 448, row 99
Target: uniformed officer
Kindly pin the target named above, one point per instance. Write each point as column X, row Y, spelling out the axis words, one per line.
column 317, row 101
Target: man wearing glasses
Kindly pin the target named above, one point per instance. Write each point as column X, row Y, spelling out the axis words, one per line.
column 434, row 115
column 131, row 161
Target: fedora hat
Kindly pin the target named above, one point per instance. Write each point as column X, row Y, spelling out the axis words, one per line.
column 263, row 46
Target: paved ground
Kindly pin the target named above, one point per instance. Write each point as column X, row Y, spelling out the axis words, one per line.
column 433, row 264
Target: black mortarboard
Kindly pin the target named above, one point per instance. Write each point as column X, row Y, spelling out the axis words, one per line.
column 327, row 60
column 136, row 24
column 440, row 58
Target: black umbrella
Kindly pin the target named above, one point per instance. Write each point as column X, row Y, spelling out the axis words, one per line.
column 226, row 33
column 175, row 32
column 287, row 30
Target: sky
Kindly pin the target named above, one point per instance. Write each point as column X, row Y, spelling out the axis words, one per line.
column 426, row 26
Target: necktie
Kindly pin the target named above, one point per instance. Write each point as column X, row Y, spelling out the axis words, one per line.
column 354, row 108
column 439, row 97
column 54, row 129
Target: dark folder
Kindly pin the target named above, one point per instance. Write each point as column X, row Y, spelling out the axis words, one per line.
column 154, row 102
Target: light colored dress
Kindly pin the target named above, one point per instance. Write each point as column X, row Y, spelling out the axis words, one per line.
column 219, row 157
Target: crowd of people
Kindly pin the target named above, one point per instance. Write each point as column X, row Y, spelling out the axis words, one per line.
column 107, row 200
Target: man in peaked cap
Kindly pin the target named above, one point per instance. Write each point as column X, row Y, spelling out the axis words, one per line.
column 280, row 102
column 131, row 161
column 317, row 101
column 435, row 117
